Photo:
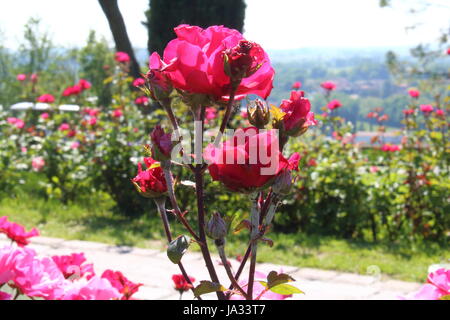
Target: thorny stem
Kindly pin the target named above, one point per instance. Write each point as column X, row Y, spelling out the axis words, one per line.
column 254, row 219
column 227, row 115
column 173, row 200
column 199, row 181
column 160, row 204
column 247, row 253
column 220, row 244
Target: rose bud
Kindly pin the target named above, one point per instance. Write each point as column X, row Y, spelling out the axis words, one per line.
column 161, row 144
column 297, row 116
column 160, row 87
column 216, row 227
column 151, row 182
column 243, row 60
column 258, row 113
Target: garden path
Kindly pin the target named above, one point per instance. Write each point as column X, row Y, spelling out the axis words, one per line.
column 152, row 268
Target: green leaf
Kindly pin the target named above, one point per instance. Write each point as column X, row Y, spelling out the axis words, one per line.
column 286, row 289
column 177, row 248
column 275, row 279
column 207, row 287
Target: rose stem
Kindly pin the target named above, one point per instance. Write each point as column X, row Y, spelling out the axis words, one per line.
column 160, row 203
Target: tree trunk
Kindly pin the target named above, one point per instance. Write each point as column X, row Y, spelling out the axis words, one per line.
column 119, row 32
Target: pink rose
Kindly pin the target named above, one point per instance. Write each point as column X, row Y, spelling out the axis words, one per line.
column 247, row 161
column 74, row 265
column 117, row 113
column 140, row 101
column 334, row 104
column 413, row 93
column 38, row 163
column 93, row 121
column 84, row 84
column 408, row 112
column 296, row 85
column 328, row 85
column 64, row 127
column 21, row 77
column 437, row 286
column 45, row 116
column 440, row 113
column 16, row 232
column 194, row 62
column 46, row 98
column 297, row 116
column 426, row 108
column 75, row 145
column 122, row 57
column 121, row 283
column 150, row 182
column 138, row 82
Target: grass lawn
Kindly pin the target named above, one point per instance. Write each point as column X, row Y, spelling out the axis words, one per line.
column 97, row 222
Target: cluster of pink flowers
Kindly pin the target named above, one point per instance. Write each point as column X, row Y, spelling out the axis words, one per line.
column 18, row 123
column 390, row 147
column 22, row 77
column 122, row 57
column 436, row 288
column 16, row 232
column 46, row 98
column 77, row 89
column 138, row 82
column 141, row 101
column 38, row 163
column 56, row 278
column 426, row 108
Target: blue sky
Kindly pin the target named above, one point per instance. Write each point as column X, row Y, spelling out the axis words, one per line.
column 275, row 24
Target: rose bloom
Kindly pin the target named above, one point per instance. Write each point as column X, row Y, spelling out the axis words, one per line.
column 93, row 121
column 437, row 286
column 38, row 163
column 248, row 161
column 4, row 296
column 94, row 112
column 74, row 265
column 297, row 116
column 328, row 85
column 151, row 182
column 122, row 57
column 44, row 116
column 34, row 78
column 296, row 85
column 71, row 133
column 426, row 108
column 117, row 113
column 414, row 93
column 64, row 127
column 210, row 114
column 334, row 104
column 16, row 232
column 75, row 145
column 140, row 101
column 138, row 82
column 46, row 98
column 408, row 112
column 195, row 62
column 390, row 147
column 84, row 84
column 181, row 284
column 372, row 115
column 440, row 112
column 374, row 169
column 21, row 77
column 121, row 283
column 19, row 123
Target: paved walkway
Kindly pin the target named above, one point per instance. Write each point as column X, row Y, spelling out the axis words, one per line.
column 153, row 269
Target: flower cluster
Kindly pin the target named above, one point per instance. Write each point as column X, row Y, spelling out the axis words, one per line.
column 55, row 278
